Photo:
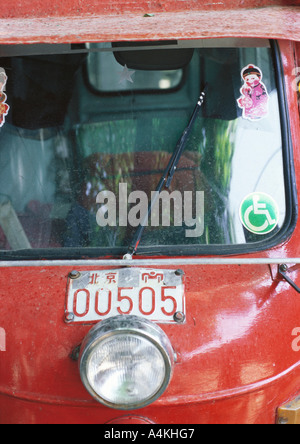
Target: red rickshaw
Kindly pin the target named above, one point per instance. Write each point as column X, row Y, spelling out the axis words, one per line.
column 149, row 252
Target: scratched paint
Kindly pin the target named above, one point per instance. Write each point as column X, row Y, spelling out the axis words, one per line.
column 275, row 22
column 47, row 8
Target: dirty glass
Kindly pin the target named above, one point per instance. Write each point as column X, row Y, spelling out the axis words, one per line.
column 83, row 148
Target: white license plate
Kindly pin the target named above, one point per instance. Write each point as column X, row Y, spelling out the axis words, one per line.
column 153, row 294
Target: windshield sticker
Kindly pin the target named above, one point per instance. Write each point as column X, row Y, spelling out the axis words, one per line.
column 259, row 213
column 254, row 96
column 4, row 108
column 126, row 75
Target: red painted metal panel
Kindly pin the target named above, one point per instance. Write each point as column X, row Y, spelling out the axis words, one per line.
column 235, row 357
column 116, row 22
column 65, row 8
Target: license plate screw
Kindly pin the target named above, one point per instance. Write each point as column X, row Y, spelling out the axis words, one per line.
column 74, row 274
column 283, row 267
column 179, row 272
column 179, row 317
column 69, row 317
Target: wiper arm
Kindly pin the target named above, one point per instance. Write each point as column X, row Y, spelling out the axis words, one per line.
column 167, row 177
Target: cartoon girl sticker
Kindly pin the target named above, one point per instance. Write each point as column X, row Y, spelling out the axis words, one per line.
column 254, row 98
column 4, row 108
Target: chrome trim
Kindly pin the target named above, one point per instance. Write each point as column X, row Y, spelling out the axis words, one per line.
column 148, row 262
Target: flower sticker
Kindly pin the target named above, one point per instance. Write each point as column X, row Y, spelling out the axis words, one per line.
column 4, row 108
column 254, row 96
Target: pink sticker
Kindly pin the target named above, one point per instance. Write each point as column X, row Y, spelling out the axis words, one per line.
column 254, row 96
column 4, row 108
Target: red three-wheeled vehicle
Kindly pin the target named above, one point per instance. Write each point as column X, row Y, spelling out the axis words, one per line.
column 149, row 232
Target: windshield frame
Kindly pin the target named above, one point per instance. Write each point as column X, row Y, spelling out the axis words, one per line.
column 200, row 250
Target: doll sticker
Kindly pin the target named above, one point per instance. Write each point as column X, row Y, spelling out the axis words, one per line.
column 254, row 96
column 4, row 108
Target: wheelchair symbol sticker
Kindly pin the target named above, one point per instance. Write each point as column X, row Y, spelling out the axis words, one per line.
column 259, row 213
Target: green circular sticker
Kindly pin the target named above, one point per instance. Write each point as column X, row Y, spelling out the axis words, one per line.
column 259, row 213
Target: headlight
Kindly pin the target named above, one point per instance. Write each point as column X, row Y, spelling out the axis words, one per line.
column 126, row 362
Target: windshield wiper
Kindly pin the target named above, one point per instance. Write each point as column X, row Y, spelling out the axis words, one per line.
column 167, row 177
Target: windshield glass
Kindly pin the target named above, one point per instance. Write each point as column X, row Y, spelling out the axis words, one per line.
column 86, row 136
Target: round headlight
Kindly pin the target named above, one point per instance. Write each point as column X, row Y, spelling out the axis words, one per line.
column 126, row 362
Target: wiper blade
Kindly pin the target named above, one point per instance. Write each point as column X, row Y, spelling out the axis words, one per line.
column 182, row 141
column 167, row 177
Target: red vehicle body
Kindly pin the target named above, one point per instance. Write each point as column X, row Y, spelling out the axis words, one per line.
column 238, row 351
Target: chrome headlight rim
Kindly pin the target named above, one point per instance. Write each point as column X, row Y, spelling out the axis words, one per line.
column 126, row 325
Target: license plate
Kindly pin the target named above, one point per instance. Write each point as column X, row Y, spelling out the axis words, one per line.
column 157, row 295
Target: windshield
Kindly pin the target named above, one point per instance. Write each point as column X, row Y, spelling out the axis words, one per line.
column 86, row 136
